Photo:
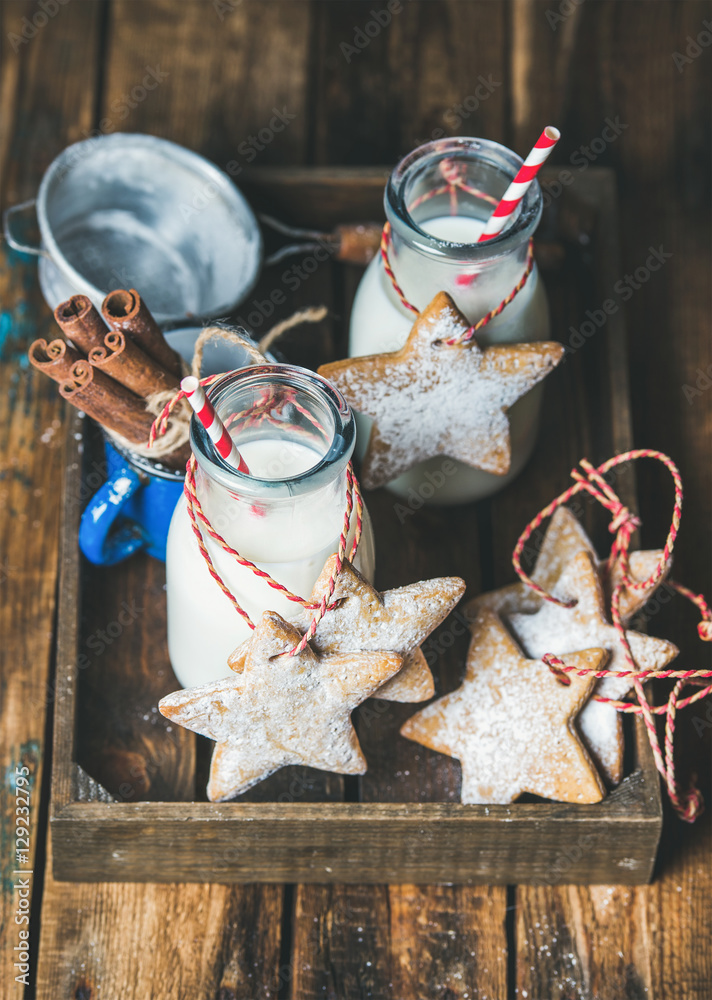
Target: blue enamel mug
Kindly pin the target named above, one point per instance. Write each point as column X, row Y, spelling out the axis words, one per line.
column 132, row 511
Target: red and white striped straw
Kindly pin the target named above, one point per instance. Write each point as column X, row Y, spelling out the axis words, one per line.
column 218, row 432
column 519, row 186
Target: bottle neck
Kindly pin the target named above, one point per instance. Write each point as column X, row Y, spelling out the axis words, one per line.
column 295, row 433
column 437, row 202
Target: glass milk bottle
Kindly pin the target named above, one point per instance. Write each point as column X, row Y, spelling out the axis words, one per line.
column 296, row 434
column 434, row 229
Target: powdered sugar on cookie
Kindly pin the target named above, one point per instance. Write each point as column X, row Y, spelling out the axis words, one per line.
column 565, row 538
column 430, row 399
column 363, row 620
column 510, row 724
column 559, row 630
column 281, row 709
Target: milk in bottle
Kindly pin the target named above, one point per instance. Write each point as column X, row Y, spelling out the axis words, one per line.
column 296, row 434
column 434, row 248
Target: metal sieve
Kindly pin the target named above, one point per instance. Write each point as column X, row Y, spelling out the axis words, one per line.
column 136, row 211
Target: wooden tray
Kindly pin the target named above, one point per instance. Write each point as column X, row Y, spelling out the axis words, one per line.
column 128, row 799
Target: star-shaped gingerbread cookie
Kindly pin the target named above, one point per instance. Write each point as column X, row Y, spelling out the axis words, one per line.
column 559, row 630
column 281, row 709
column 510, row 723
column 431, row 399
column 364, row 620
column 565, row 538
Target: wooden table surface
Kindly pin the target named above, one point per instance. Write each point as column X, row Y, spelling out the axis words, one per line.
column 210, row 75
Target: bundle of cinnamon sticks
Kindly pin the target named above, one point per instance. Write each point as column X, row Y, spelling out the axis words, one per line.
column 108, row 367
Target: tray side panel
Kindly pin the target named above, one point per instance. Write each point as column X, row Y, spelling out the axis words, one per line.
column 367, row 843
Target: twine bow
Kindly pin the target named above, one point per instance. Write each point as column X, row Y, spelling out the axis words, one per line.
column 591, row 480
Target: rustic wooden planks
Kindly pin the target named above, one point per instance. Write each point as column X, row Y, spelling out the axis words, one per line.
column 225, row 941
column 399, row 941
column 34, row 87
column 408, row 84
column 626, row 942
column 627, row 47
column 405, row 88
column 160, row 940
column 227, row 70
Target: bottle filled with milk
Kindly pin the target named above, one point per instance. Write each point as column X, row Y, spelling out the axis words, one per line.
column 437, row 202
column 296, row 434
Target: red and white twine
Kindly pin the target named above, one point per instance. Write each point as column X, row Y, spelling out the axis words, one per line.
column 201, row 524
column 467, row 335
column 623, row 523
column 454, row 174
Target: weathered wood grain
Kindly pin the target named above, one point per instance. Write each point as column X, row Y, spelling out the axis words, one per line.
column 33, row 87
column 399, row 941
column 233, row 77
column 661, row 201
column 168, row 941
column 558, row 930
column 435, row 70
column 224, row 941
column 543, row 52
column 415, row 82
column 326, row 842
column 621, row 65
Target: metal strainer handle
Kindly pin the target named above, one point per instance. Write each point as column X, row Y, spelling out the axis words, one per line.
column 7, row 230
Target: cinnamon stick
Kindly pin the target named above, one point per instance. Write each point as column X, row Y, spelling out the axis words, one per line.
column 124, row 310
column 54, row 359
column 113, row 405
column 124, row 361
column 80, row 322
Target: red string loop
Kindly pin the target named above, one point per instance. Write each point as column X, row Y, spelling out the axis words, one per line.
column 467, row 335
column 200, row 523
column 591, row 480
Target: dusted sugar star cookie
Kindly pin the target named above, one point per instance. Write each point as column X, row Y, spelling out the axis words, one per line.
column 281, row 709
column 565, row 538
column 559, row 630
column 510, row 723
column 431, row 399
column 398, row 620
